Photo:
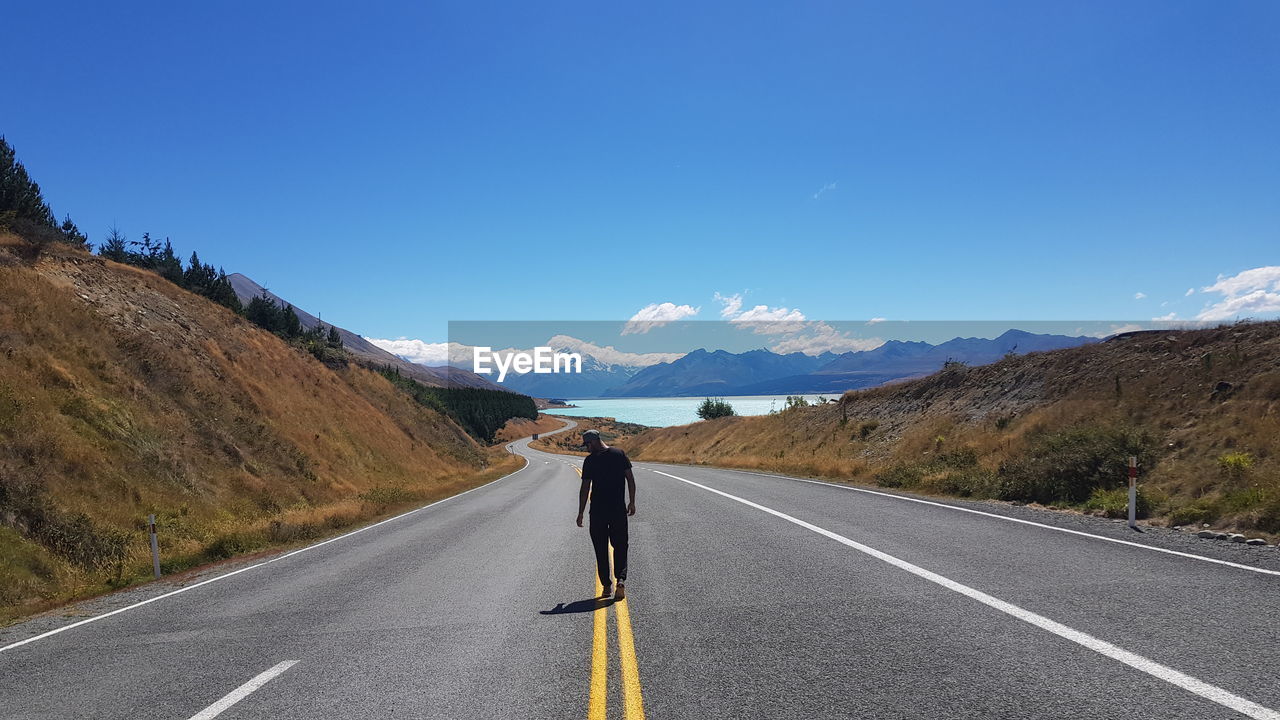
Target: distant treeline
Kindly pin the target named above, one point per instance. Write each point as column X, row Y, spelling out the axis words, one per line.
column 23, row 209
column 197, row 277
column 479, row 411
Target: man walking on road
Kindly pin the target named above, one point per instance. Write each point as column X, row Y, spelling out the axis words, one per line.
column 602, row 474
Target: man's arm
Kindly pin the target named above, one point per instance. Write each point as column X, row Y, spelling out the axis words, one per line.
column 631, row 488
column 583, row 492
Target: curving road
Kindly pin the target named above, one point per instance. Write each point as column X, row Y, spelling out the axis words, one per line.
column 749, row 596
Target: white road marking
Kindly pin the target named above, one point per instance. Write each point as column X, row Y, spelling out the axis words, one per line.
column 1118, row 541
column 243, row 691
column 181, row 590
column 1133, row 660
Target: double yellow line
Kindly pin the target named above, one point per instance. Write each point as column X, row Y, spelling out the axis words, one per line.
column 632, row 702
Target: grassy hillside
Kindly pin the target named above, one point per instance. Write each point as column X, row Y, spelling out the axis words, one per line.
column 122, row 394
column 570, row 443
column 519, row 427
column 1200, row 408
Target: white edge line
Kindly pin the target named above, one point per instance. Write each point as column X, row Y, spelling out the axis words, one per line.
column 180, row 590
column 1133, row 660
column 243, row 691
column 1130, row 543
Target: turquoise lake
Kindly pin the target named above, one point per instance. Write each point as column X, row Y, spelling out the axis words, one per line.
column 661, row 412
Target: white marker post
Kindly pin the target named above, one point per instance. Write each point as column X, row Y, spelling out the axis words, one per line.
column 155, row 546
column 1133, row 492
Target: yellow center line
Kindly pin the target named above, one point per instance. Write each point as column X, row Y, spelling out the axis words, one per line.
column 633, row 704
column 599, row 659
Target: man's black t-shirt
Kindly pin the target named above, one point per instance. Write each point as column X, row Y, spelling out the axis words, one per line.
column 607, row 471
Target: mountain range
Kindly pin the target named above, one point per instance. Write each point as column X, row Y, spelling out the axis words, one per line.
column 246, row 289
column 762, row 372
column 896, row 360
column 718, row 373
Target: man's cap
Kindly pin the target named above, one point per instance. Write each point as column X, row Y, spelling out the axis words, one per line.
column 588, row 435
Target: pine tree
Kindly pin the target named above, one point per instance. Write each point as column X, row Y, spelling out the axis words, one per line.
column 198, row 277
column 116, row 246
column 168, row 264
column 290, row 325
column 20, row 196
column 148, row 253
column 264, row 313
column 220, row 291
column 72, row 235
column 334, row 340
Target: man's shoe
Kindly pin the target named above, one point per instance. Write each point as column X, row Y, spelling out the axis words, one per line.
column 620, row 593
column 608, row 590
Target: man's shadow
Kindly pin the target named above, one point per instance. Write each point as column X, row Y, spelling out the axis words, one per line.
column 579, row 606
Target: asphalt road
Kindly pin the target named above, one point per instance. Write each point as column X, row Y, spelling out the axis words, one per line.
column 748, row 597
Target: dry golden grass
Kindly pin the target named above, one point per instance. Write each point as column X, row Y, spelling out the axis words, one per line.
column 1165, row 384
column 570, row 442
column 517, row 428
column 122, row 395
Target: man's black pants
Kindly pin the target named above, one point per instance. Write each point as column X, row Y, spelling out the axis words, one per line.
column 609, row 528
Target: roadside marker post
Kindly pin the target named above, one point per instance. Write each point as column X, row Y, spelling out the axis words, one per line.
column 1133, row 492
column 155, row 546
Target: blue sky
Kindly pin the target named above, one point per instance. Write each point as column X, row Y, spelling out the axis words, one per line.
column 395, row 167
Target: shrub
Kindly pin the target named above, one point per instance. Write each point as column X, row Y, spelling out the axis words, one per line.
column 795, row 401
column 955, row 473
column 1114, row 503
column 900, row 476
column 712, row 408
column 232, row 544
column 1267, row 517
column 1235, row 464
column 1067, row 466
column 1200, row 511
column 969, row 482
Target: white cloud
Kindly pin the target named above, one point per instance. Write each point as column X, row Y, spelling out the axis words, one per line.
column 1259, row 278
column 821, row 337
column 1190, row 292
column 656, row 315
column 1251, row 305
column 732, row 304
column 1165, row 318
column 825, row 188
column 875, row 320
column 1249, row 293
column 761, row 319
column 609, row 354
column 1139, row 296
column 426, row 353
column 764, row 320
